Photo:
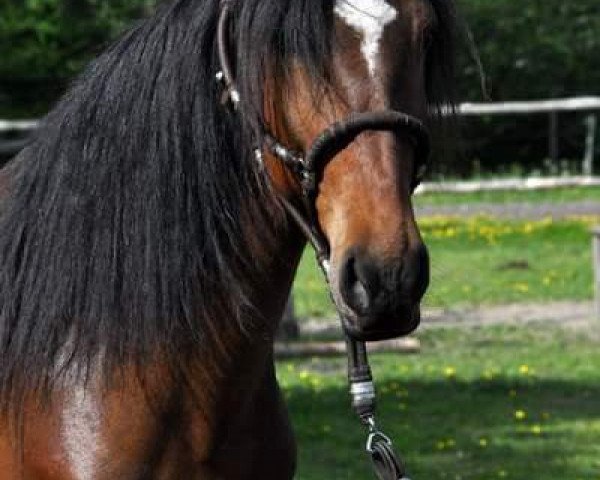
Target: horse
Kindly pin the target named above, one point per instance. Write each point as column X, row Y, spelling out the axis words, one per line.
column 147, row 238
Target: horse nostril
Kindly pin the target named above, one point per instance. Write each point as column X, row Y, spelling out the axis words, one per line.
column 417, row 273
column 357, row 284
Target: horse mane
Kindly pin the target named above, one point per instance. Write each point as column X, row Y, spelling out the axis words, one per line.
column 124, row 231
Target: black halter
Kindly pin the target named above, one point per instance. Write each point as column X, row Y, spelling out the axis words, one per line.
column 308, row 170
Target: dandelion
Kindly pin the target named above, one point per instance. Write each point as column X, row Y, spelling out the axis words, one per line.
column 536, row 429
column 304, row 374
column 521, row 287
column 450, row 372
column 520, row 414
column 315, row 383
column 524, row 369
column 451, row 232
column 445, row 444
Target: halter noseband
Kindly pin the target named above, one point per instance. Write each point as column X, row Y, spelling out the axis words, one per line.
column 308, row 170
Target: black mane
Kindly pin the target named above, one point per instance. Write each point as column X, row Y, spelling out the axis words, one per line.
column 122, row 232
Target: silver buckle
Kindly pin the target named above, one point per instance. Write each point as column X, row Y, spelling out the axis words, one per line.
column 375, row 434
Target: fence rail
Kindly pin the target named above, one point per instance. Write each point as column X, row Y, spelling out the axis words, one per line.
column 9, row 126
column 529, row 107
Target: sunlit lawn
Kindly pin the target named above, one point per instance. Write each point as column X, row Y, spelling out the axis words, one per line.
column 482, row 261
column 491, row 403
column 555, row 195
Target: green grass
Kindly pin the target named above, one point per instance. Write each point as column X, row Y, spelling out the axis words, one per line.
column 558, row 195
column 454, row 410
column 483, row 261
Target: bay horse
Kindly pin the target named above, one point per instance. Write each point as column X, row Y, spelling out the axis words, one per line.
column 147, row 256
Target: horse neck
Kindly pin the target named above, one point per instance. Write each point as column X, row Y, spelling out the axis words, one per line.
column 253, row 344
column 249, row 369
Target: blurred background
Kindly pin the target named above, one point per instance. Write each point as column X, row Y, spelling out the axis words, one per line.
column 529, row 50
column 502, row 379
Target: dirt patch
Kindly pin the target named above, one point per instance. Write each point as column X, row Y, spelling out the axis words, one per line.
column 572, row 315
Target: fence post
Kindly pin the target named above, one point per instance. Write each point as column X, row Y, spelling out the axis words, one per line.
column 289, row 329
column 591, row 122
column 596, row 266
column 553, row 142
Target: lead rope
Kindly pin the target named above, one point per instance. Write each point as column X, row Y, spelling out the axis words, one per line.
column 386, row 463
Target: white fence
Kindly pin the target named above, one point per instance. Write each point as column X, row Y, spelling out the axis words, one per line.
column 529, row 107
column 549, row 107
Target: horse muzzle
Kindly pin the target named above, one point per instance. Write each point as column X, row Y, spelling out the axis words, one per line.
column 380, row 300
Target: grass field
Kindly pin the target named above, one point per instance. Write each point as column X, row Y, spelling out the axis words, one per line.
column 482, row 261
column 509, row 402
column 557, row 195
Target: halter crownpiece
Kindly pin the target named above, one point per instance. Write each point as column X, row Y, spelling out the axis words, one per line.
column 308, row 170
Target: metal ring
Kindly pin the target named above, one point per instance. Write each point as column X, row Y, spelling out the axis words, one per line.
column 374, row 436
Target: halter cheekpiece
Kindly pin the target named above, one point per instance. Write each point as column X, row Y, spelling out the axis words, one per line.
column 308, row 169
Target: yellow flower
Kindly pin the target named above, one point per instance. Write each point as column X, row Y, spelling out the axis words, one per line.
column 483, row 442
column 521, row 287
column 304, row 375
column 444, row 444
column 450, row 372
column 524, row 369
column 520, row 415
column 536, row 429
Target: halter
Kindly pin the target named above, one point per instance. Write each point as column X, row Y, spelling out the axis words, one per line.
column 308, row 170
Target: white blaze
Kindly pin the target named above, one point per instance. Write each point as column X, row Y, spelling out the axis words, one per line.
column 369, row 17
column 81, row 432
